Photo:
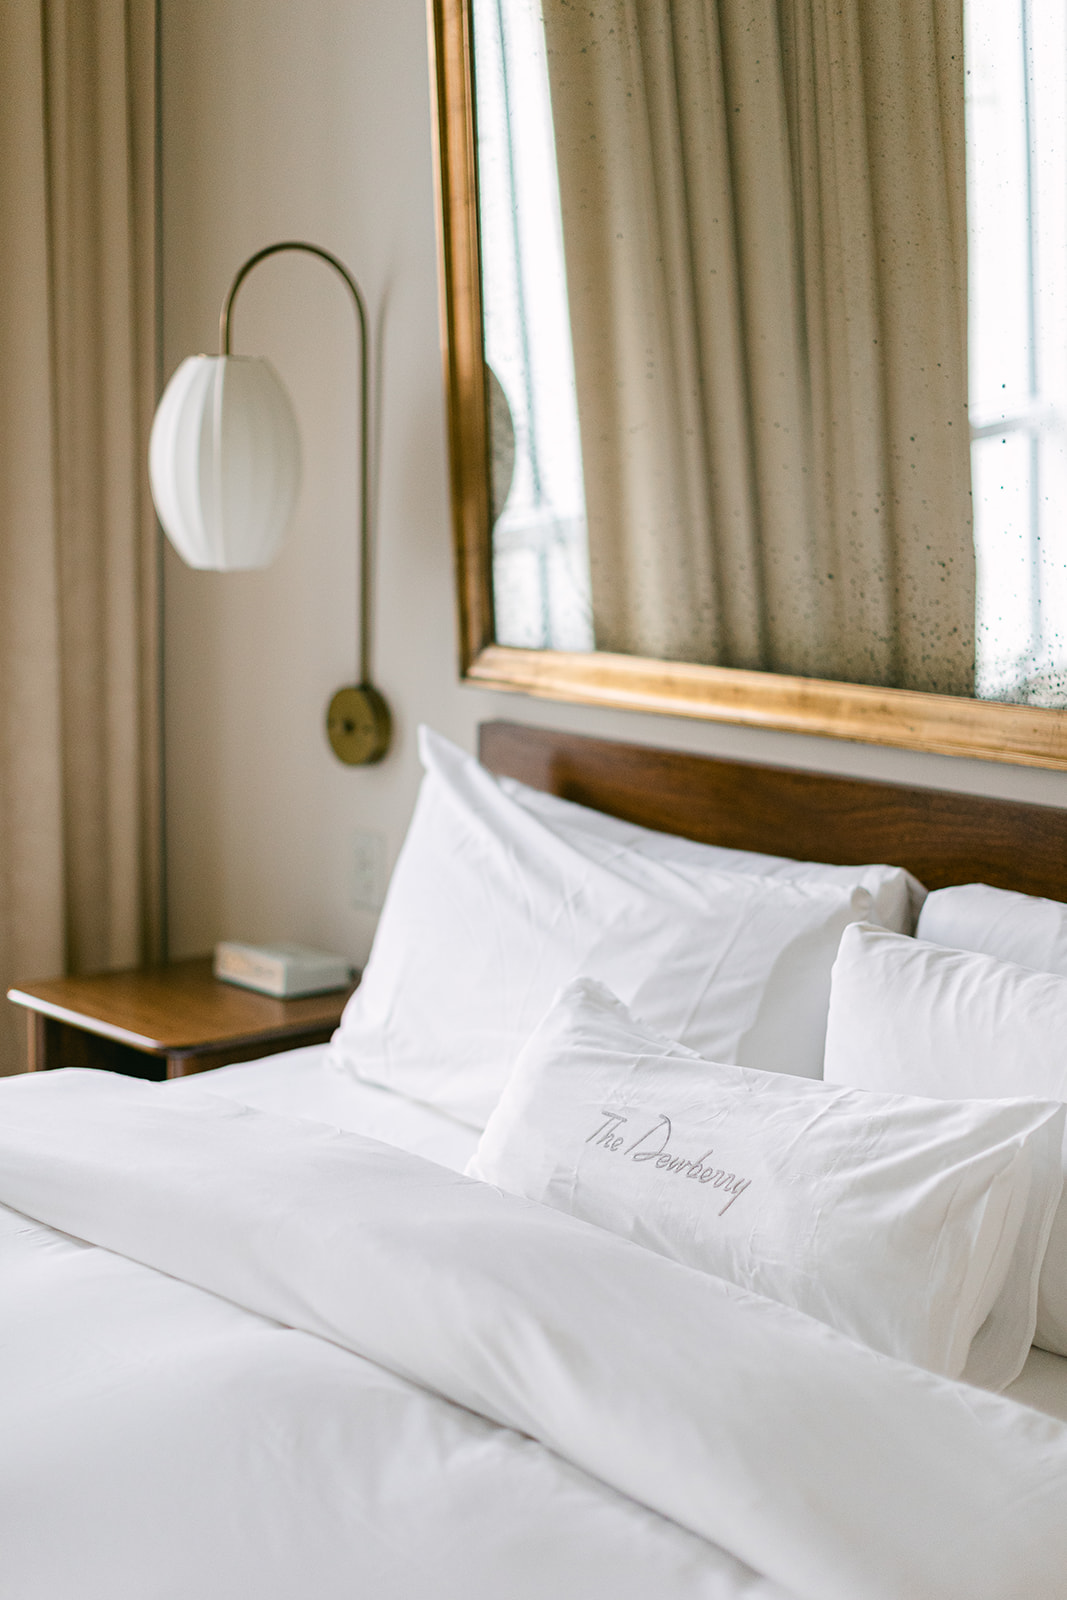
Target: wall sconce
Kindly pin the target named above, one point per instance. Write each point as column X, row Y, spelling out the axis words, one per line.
column 224, row 463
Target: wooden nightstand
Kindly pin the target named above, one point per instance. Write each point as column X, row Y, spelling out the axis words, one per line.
column 162, row 1022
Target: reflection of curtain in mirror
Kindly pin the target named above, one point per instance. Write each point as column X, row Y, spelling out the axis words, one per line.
column 772, row 368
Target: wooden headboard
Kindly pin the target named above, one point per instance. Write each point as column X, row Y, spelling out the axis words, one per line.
column 941, row 837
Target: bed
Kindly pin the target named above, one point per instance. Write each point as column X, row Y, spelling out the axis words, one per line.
column 262, row 1337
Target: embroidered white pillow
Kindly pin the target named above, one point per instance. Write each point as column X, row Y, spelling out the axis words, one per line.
column 896, row 896
column 997, row 922
column 909, row 1017
column 915, row 1226
column 491, row 909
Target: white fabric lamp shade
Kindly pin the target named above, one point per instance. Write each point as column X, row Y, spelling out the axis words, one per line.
column 224, row 462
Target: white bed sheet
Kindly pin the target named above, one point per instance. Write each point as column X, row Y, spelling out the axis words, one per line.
column 162, row 1443
column 249, row 1447
column 209, row 1451
column 302, row 1083
column 1042, row 1384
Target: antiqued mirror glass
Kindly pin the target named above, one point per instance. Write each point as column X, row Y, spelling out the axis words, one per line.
column 772, row 305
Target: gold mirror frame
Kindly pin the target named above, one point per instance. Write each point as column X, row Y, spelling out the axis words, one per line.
column 989, row 730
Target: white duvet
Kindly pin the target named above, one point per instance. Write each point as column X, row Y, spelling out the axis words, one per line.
column 290, row 1361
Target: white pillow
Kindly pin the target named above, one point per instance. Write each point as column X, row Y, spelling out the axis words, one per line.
column 896, row 897
column 491, row 909
column 908, row 1224
column 998, row 922
column 908, row 1017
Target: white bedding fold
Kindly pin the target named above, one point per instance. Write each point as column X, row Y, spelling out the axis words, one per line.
column 838, row 1473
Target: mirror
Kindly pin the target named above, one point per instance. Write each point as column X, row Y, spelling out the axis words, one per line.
column 699, row 472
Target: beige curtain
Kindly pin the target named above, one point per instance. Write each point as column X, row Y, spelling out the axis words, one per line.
column 763, row 212
column 80, row 877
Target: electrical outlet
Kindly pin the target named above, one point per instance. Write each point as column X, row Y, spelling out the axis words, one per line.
column 367, row 871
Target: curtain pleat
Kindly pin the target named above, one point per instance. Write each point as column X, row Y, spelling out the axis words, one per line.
column 80, row 848
column 763, row 216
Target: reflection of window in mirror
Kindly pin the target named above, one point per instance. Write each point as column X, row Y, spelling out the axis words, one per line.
column 1016, row 55
column 540, row 549
column 786, row 294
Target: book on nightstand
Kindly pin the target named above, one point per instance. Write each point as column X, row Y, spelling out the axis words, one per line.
column 283, row 970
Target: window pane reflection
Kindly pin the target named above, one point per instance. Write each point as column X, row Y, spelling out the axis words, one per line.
column 1016, row 57
column 540, row 541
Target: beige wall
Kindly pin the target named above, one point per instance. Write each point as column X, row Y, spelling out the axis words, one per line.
column 311, row 118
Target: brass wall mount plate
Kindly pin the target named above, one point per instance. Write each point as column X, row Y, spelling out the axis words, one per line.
column 358, row 725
